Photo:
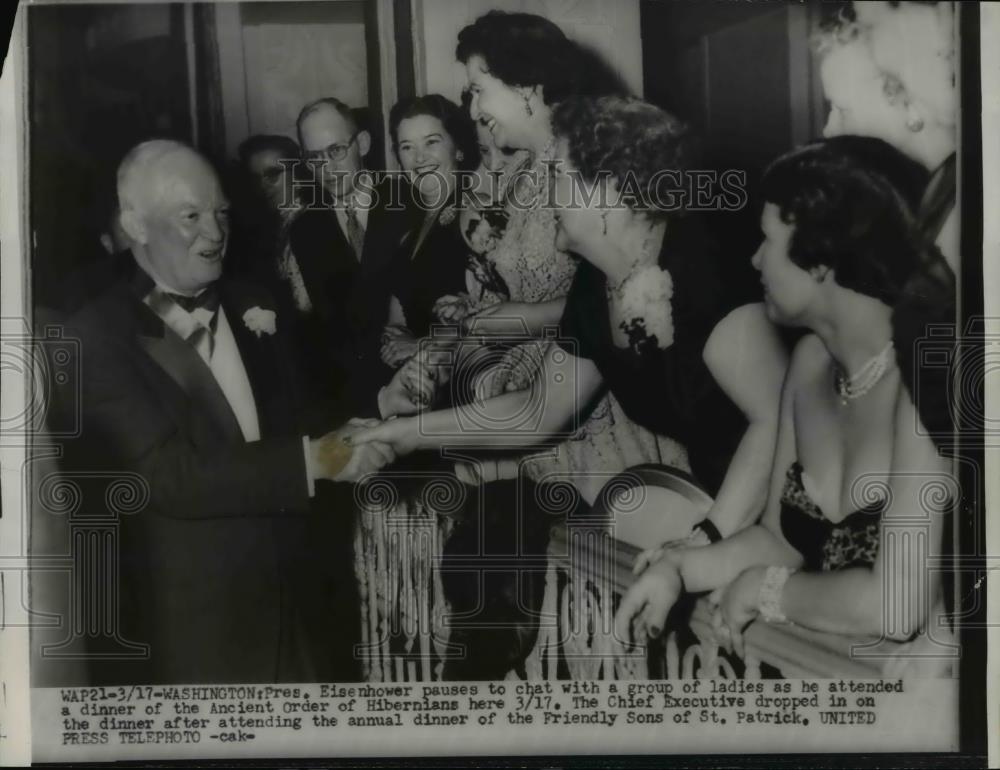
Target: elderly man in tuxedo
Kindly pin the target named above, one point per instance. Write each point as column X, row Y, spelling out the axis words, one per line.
column 186, row 380
column 343, row 243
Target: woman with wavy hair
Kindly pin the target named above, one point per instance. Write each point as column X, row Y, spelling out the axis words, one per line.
column 858, row 487
column 519, row 67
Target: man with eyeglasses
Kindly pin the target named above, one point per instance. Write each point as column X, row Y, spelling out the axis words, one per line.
column 343, row 243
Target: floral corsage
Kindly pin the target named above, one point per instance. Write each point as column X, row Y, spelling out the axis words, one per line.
column 447, row 215
column 260, row 321
column 640, row 308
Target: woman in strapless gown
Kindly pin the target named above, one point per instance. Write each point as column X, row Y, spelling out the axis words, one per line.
column 861, row 481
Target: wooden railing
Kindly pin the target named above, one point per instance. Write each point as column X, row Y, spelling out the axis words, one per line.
column 590, row 569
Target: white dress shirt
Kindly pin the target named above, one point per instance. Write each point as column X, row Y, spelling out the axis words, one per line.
column 227, row 368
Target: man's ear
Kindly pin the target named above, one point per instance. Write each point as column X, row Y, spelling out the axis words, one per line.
column 134, row 226
column 364, row 142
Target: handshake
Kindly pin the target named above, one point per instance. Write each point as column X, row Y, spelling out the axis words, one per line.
column 333, row 458
column 338, row 457
column 361, row 447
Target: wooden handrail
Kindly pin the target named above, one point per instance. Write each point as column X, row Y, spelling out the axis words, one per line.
column 586, row 550
column 798, row 653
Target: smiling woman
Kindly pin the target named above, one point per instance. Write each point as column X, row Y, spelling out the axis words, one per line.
column 433, row 140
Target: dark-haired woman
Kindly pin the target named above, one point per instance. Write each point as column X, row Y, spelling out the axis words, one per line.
column 858, row 486
column 519, row 68
column 433, row 140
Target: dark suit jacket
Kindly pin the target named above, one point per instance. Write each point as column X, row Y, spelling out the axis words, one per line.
column 350, row 297
column 208, row 568
column 419, row 278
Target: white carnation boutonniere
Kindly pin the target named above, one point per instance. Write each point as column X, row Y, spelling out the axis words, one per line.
column 260, row 321
column 641, row 309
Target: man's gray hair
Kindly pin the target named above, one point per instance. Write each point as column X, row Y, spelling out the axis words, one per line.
column 135, row 170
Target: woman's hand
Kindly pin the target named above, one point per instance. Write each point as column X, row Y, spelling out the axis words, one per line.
column 644, row 608
column 452, row 308
column 398, row 345
column 334, row 458
column 400, row 434
column 737, row 606
column 697, row 539
column 411, row 389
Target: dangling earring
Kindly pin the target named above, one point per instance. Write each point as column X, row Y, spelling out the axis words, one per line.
column 459, row 156
column 527, row 103
column 915, row 123
column 604, row 220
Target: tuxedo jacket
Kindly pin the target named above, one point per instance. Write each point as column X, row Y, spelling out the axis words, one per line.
column 210, row 566
column 349, row 296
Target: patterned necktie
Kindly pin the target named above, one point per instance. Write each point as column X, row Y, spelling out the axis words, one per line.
column 355, row 232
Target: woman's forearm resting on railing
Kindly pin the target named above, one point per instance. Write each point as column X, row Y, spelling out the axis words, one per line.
column 714, row 566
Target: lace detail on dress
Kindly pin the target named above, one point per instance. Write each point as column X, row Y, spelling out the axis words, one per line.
column 852, row 542
column 607, row 442
column 526, row 257
column 794, row 494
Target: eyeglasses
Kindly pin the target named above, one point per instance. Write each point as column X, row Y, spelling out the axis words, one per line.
column 333, row 152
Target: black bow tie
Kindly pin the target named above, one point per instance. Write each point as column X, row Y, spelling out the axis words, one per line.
column 208, row 299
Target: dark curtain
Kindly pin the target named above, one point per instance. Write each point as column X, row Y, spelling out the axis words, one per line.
column 92, row 96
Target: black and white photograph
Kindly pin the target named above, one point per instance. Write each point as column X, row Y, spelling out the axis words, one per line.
column 422, row 378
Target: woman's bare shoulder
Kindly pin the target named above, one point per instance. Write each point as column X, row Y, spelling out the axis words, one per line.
column 748, row 358
column 809, row 357
column 747, row 335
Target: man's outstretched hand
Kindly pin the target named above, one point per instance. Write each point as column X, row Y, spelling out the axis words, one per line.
column 335, row 459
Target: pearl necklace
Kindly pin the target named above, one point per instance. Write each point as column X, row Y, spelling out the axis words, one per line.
column 865, row 378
